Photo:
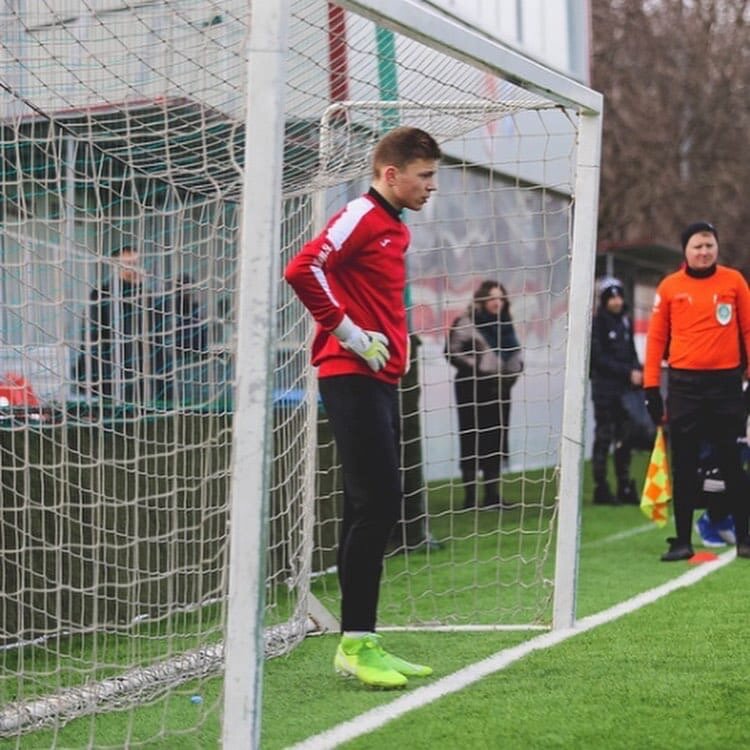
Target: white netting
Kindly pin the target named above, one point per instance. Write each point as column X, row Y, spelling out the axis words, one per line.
column 451, row 566
column 123, row 126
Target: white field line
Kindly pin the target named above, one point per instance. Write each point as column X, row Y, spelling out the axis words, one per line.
column 619, row 536
column 377, row 717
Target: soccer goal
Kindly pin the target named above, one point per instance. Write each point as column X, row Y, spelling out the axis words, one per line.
column 171, row 491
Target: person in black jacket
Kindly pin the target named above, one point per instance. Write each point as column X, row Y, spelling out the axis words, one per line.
column 483, row 347
column 114, row 360
column 615, row 368
column 181, row 334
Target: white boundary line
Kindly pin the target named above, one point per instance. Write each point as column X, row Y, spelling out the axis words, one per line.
column 377, row 717
column 619, row 536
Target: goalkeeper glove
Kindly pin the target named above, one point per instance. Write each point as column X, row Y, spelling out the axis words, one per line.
column 372, row 346
column 655, row 405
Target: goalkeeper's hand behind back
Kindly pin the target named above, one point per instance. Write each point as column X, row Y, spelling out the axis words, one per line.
column 372, row 346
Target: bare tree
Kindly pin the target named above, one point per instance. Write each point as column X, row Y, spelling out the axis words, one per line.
column 676, row 79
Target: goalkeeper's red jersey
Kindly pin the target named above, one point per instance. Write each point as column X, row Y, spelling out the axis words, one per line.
column 701, row 324
column 356, row 266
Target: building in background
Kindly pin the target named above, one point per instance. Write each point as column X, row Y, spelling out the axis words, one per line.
column 67, row 202
column 554, row 32
column 510, row 231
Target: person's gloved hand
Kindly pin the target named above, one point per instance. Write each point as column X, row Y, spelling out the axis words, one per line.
column 372, row 346
column 654, row 405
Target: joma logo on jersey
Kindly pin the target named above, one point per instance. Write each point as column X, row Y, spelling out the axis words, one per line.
column 385, row 242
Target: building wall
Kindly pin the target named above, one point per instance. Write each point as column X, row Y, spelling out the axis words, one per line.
column 555, row 32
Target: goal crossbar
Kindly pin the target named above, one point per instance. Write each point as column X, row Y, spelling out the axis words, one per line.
column 422, row 22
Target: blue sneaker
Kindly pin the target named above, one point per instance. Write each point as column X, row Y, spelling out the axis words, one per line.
column 725, row 529
column 708, row 532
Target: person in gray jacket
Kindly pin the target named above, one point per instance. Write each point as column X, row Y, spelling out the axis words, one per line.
column 483, row 347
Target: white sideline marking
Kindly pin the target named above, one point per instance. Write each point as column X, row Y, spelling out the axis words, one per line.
column 377, row 717
column 619, row 536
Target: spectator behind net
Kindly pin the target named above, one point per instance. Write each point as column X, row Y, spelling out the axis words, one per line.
column 114, row 360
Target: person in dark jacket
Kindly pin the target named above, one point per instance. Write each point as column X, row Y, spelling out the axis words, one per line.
column 483, row 347
column 181, row 338
column 615, row 368
column 114, row 360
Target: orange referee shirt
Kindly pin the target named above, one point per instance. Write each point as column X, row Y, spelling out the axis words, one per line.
column 702, row 321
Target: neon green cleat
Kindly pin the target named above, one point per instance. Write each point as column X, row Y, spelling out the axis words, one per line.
column 407, row 668
column 365, row 659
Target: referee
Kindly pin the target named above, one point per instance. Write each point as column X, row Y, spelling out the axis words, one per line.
column 701, row 324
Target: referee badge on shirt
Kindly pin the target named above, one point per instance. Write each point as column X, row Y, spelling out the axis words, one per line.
column 724, row 313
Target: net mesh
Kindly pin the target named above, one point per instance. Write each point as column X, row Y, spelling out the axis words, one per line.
column 122, row 134
column 451, row 565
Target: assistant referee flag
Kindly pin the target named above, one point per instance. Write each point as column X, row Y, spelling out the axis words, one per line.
column 657, row 490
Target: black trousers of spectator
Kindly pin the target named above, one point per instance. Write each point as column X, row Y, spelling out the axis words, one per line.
column 609, row 418
column 364, row 416
column 706, row 405
column 483, row 423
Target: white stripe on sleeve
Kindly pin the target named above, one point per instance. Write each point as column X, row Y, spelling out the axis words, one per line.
column 323, row 281
column 340, row 229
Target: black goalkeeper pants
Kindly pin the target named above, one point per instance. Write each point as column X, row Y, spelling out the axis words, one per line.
column 364, row 417
column 706, row 405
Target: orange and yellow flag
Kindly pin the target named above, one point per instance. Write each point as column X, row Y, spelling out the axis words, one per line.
column 657, row 490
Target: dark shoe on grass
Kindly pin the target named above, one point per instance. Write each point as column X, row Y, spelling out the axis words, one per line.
column 677, row 551
column 603, row 496
column 743, row 548
column 627, row 493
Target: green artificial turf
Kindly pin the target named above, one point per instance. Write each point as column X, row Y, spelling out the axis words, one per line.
column 669, row 675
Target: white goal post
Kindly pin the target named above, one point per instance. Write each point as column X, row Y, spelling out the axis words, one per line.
column 344, row 157
column 171, row 491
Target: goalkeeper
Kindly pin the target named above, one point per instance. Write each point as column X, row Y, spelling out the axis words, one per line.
column 701, row 317
column 352, row 277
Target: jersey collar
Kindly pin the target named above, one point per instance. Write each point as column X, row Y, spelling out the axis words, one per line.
column 375, row 195
column 702, row 273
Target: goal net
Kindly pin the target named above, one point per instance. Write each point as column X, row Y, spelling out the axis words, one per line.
column 125, row 243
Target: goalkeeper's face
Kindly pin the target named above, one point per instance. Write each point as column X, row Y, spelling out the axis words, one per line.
column 411, row 186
